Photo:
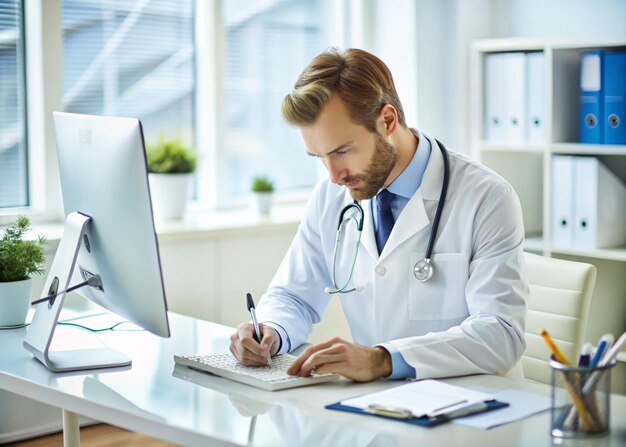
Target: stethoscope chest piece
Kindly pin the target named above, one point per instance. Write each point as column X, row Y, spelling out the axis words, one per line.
column 423, row 270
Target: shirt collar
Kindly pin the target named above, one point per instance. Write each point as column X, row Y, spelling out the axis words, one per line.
column 409, row 180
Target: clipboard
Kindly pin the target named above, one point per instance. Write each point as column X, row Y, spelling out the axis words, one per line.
column 423, row 421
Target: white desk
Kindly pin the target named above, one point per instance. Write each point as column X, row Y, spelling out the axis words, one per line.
column 150, row 399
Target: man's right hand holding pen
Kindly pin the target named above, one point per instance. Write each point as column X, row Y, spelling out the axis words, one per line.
column 254, row 344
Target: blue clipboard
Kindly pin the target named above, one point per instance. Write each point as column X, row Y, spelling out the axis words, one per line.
column 423, row 421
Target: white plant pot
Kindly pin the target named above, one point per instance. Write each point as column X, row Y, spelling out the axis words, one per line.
column 15, row 301
column 263, row 201
column 169, row 193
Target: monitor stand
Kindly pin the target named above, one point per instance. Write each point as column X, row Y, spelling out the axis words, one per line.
column 41, row 331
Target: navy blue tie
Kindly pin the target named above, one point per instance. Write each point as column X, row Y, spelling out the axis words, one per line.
column 385, row 218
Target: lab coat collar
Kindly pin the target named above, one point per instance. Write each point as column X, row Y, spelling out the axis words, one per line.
column 411, row 220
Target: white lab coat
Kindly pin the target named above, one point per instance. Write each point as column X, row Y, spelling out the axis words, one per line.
column 468, row 318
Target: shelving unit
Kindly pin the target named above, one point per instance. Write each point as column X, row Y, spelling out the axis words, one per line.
column 528, row 167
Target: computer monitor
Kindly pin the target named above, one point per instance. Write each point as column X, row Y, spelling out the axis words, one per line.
column 109, row 231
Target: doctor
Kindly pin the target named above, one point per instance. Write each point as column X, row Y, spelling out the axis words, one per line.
column 467, row 318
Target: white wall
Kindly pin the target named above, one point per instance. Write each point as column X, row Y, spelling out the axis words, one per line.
column 595, row 20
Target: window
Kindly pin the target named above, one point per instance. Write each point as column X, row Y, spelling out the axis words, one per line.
column 131, row 58
column 13, row 151
column 267, row 45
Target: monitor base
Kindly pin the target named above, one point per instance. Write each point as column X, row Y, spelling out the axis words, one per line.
column 82, row 359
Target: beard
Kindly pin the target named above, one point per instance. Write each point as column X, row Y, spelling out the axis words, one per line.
column 383, row 161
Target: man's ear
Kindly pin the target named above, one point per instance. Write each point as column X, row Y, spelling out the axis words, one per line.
column 389, row 116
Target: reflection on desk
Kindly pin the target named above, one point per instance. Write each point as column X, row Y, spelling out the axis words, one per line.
column 293, row 425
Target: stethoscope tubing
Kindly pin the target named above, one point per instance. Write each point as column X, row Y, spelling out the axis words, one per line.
column 442, row 199
column 360, row 220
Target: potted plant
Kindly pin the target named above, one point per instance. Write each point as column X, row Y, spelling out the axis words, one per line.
column 170, row 167
column 19, row 259
column 263, row 187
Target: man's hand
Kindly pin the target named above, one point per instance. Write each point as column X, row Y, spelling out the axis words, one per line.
column 245, row 348
column 353, row 361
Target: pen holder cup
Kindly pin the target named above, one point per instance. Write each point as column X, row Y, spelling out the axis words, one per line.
column 580, row 400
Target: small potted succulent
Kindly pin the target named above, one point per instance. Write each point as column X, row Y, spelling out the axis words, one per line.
column 263, row 188
column 170, row 168
column 19, row 260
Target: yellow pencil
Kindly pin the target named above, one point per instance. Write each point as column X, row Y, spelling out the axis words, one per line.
column 558, row 355
column 570, row 386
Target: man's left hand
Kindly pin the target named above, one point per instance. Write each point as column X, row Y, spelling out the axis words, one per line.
column 356, row 362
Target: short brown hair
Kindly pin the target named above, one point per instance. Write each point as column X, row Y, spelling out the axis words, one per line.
column 360, row 79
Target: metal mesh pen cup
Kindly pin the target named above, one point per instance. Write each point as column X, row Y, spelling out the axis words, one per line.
column 580, row 400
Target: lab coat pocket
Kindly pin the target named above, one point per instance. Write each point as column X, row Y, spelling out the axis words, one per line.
column 442, row 297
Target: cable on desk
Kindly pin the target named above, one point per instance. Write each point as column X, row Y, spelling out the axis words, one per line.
column 87, row 328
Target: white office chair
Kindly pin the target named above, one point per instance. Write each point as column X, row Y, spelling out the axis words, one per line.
column 560, row 297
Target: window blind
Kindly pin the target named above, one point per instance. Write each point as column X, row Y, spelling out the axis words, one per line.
column 13, row 150
column 131, row 58
column 267, row 45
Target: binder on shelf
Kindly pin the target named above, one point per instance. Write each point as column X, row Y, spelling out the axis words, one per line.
column 591, row 97
column 494, row 91
column 614, row 107
column 535, row 97
column 599, row 205
column 515, row 97
column 562, row 218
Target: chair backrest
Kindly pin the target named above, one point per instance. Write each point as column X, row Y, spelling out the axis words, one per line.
column 560, row 297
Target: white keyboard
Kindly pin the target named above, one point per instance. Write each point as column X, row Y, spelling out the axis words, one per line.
column 270, row 378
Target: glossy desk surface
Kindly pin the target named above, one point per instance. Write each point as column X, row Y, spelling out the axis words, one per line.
column 192, row 408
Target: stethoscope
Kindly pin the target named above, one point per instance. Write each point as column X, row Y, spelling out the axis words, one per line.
column 423, row 269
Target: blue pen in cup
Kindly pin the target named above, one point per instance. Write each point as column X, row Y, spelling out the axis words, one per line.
column 605, row 343
column 585, row 355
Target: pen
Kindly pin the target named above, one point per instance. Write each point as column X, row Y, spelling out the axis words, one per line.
column 390, row 412
column 257, row 333
column 477, row 407
column 445, row 409
column 605, row 342
column 585, row 355
column 558, row 355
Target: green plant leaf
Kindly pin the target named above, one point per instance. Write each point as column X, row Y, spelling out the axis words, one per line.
column 170, row 156
column 262, row 184
column 19, row 259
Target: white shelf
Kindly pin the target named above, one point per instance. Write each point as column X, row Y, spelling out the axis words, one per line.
column 621, row 357
column 588, row 149
column 492, row 146
column 613, row 254
column 503, row 45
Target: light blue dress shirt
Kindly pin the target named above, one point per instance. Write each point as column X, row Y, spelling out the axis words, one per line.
column 404, row 187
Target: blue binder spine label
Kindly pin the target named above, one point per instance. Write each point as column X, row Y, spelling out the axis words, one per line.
column 591, row 97
column 614, row 113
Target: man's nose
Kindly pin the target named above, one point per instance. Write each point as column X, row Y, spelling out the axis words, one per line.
column 336, row 171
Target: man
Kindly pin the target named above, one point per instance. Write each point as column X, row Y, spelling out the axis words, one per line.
column 468, row 318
